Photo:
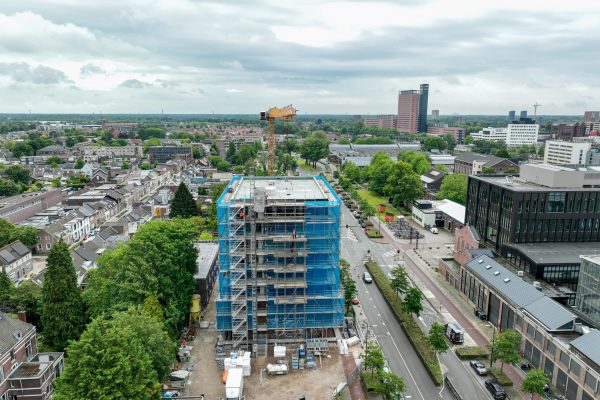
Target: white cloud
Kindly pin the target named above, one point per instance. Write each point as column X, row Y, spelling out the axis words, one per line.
column 234, row 91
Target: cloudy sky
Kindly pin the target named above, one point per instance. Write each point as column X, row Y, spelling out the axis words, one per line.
column 242, row 56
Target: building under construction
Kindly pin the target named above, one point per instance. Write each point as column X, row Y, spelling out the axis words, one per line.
column 279, row 277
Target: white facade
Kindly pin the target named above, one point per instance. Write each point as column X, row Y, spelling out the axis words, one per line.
column 566, row 153
column 513, row 135
column 92, row 153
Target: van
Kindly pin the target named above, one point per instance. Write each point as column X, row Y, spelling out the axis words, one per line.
column 455, row 333
column 367, row 277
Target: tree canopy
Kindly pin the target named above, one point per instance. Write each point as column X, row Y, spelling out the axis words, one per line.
column 314, row 147
column 437, row 338
column 454, row 187
column 183, row 204
column 535, row 381
column 506, row 347
column 412, row 301
column 10, row 233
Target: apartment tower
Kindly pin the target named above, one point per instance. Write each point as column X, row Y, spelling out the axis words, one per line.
column 412, row 110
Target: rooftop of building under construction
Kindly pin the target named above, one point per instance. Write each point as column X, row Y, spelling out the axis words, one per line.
column 294, row 189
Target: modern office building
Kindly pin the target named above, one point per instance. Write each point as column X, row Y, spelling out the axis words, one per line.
column 511, row 116
column 523, row 114
column 382, row 121
column 279, row 277
column 516, row 134
column 558, row 152
column 588, row 289
column 162, row 154
column 412, row 109
column 435, row 113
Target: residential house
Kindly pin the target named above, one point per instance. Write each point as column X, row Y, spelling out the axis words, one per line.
column 25, row 373
column 15, row 259
column 54, row 150
column 432, row 181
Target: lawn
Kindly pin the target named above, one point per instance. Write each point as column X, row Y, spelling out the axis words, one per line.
column 307, row 167
column 375, row 200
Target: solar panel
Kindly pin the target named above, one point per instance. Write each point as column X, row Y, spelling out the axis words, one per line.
column 7, row 256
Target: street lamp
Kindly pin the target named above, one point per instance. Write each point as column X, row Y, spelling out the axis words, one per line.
column 493, row 343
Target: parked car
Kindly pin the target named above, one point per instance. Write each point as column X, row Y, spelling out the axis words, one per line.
column 367, row 277
column 478, row 367
column 434, row 230
column 355, row 300
column 525, row 366
column 496, row 390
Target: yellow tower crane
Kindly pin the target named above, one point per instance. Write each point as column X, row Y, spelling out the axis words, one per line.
column 286, row 114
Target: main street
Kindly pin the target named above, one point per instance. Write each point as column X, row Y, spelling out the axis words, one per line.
column 401, row 357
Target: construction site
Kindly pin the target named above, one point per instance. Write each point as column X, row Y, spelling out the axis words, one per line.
column 279, row 279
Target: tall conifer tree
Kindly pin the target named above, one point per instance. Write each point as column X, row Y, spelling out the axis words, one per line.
column 183, row 204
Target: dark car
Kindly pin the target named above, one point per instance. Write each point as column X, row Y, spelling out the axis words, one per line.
column 479, row 368
column 495, row 389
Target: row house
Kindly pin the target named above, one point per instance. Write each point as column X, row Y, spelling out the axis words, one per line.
column 15, row 259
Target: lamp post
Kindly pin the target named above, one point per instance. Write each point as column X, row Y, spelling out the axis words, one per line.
column 493, row 343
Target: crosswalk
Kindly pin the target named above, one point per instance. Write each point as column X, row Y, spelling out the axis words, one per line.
column 391, row 253
column 351, row 235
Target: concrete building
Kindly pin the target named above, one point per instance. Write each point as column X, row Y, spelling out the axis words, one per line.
column 553, row 338
column 382, row 121
column 18, row 208
column 431, row 213
column 93, row 153
column 206, row 274
column 591, row 116
column 468, row 163
column 162, row 154
column 446, row 160
column 567, row 130
column 279, row 251
column 412, row 109
column 444, row 129
column 25, row 373
column 567, row 153
column 588, row 289
column 15, row 259
column 511, row 116
column 516, row 134
column 435, row 113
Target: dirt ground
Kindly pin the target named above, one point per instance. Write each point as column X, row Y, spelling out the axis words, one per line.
column 205, row 378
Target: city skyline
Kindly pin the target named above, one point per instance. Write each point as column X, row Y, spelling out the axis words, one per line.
column 63, row 56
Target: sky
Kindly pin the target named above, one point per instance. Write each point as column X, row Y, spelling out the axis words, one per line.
column 324, row 57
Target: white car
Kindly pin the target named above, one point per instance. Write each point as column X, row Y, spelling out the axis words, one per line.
column 478, row 367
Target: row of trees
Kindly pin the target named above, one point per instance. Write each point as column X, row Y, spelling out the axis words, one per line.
column 398, row 180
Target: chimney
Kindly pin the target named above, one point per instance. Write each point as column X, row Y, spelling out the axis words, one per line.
column 22, row 315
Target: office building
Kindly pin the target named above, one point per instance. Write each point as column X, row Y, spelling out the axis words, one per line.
column 591, row 116
column 511, row 116
column 523, row 114
column 516, row 134
column 412, row 110
column 567, row 153
column 382, row 121
column 444, row 129
column 567, row 130
column 279, row 277
column 435, row 113
column 588, row 289
column 162, row 154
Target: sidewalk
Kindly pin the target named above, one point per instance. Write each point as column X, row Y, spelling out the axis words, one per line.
column 452, row 303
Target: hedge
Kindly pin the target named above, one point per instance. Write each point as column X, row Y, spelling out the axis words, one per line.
column 414, row 333
column 500, row 377
column 471, row 353
column 373, row 234
column 370, row 383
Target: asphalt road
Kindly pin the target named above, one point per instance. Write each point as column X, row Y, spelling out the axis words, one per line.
column 401, row 357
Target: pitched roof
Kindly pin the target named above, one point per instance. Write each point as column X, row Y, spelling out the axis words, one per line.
column 469, row 157
column 551, row 314
column 11, row 329
column 588, row 345
column 12, row 252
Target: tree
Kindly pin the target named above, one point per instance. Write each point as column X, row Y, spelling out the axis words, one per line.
column 540, row 151
column 441, row 167
column 28, row 297
column 110, row 361
column 403, row 184
column 314, row 147
column 511, row 170
column 151, row 132
column 417, row 160
column 392, row 386
column 534, row 383
column 352, row 171
column 246, row 153
column 412, row 301
column 399, row 281
column 206, row 236
column 152, row 308
column 502, row 153
column 183, row 204
column 9, row 233
column 379, row 172
column 373, row 358
column 62, row 312
column 450, row 141
column 437, row 338
column 8, row 188
column 488, row 170
column 348, row 284
column 230, row 155
column 22, row 149
column 454, row 187
column 468, row 139
column 54, row 160
column 6, row 286
column 150, row 143
column 433, row 142
column 145, row 166
column 218, row 163
column 124, row 165
column 506, row 347
column 18, row 174
column 79, row 164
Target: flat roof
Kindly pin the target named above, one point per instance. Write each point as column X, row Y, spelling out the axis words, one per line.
column 305, row 188
column 207, row 254
column 556, row 253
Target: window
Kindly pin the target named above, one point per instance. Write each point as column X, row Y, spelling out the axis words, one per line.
column 551, row 348
column 575, row 368
column 556, row 202
column 530, row 330
column 29, row 351
column 564, row 358
column 590, row 381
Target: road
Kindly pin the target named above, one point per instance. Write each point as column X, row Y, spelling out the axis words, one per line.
column 401, row 357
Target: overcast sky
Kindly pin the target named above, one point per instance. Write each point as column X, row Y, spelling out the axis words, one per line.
column 242, row 56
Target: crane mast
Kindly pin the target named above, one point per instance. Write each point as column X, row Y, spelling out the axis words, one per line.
column 287, row 113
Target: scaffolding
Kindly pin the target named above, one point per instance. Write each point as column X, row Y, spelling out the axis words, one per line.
column 279, row 272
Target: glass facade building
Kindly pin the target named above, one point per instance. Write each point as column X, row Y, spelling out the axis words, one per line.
column 588, row 289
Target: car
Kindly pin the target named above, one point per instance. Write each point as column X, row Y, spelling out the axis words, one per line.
column 355, row 300
column 525, row 366
column 367, row 277
column 496, row 390
column 478, row 367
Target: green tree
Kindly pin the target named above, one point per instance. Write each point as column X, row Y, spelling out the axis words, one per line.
column 79, row 164
column 110, row 361
column 206, row 236
column 9, row 233
column 373, row 358
column 18, row 174
column 153, row 308
column 502, row 153
column 403, row 184
column 454, row 187
column 433, row 142
column 450, row 141
column 412, row 301
column 63, row 312
column 417, row 160
column 145, row 166
column 506, row 347
column 150, row 143
column 352, row 171
column 441, row 168
column 399, row 281
column 183, row 204
column 540, row 151
column 468, row 139
column 534, row 383
column 218, row 163
column 6, row 286
column 511, row 170
column 392, row 386
column 488, row 170
column 314, row 147
column 230, row 155
column 379, row 172
column 437, row 338
column 8, row 188
column 56, row 182
column 22, row 149
column 246, row 153
column 124, row 165
column 28, row 297
column 151, row 132
column 348, row 284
